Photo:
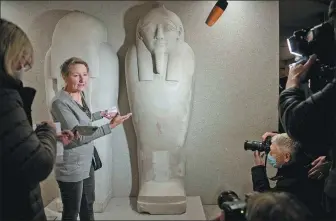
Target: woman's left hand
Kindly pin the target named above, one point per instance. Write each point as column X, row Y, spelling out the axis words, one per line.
column 66, row 136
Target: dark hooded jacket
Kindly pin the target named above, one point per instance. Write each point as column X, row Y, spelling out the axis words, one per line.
column 312, row 121
column 26, row 156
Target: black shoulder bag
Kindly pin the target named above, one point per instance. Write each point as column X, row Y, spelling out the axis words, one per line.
column 96, row 162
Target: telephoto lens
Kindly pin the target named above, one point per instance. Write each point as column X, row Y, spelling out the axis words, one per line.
column 259, row 146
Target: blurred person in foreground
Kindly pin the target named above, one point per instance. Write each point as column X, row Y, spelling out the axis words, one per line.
column 273, row 206
column 27, row 157
column 276, row 206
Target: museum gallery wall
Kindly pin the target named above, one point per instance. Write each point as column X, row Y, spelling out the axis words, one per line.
column 229, row 74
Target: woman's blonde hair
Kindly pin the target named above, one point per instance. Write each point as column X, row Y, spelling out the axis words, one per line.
column 65, row 67
column 14, row 46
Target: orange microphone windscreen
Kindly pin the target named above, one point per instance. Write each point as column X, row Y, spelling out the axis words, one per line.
column 216, row 12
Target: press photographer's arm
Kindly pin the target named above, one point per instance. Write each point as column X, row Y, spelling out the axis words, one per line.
column 310, row 120
column 307, row 119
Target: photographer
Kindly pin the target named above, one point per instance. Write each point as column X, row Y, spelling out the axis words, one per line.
column 312, row 120
column 292, row 174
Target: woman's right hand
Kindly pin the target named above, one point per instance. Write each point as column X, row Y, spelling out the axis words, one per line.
column 66, row 137
column 118, row 119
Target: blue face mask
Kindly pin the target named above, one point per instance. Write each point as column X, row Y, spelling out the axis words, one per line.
column 271, row 160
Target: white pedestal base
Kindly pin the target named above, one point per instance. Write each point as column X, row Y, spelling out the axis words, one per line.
column 125, row 209
column 151, row 200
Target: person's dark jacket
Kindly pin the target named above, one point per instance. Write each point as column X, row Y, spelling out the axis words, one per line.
column 312, row 121
column 27, row 157
column 293, row 179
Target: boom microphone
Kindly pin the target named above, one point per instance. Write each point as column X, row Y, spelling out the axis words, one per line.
column 216, row 12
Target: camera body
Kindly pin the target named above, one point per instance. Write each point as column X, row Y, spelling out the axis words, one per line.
column 319, row 40
column 232, row 205
column 264, row 146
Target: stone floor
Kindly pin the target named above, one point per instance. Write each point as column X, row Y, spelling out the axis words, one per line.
column 121, row 209
column 211, row 211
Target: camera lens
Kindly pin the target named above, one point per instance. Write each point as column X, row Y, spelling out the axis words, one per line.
column 253, row 145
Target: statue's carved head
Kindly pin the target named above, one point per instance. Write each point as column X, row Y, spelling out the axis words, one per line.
column 158, row 35
column 160, row 28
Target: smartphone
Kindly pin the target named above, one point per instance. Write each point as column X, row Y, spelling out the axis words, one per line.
column 85, row 130
column 111, row 112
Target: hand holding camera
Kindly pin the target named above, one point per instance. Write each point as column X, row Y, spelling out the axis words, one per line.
column 259, row 158
column 260, row 148
column 268, row 134
column 263, row 146
column 297, row 72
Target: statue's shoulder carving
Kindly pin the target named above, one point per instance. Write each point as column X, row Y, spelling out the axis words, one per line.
column 189, row 51
column 131, row 54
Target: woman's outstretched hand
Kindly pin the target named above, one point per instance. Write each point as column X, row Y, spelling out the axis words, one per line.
column 118, row 119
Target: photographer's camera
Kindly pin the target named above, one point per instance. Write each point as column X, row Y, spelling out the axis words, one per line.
column 264, row 146
column 320, row 41
column 232, row 205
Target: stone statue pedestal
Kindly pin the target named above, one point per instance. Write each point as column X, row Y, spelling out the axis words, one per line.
column 124, row 209
column 150, row 197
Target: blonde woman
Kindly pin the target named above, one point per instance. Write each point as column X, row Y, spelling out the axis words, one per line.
column 26, row 157
column 75, row 175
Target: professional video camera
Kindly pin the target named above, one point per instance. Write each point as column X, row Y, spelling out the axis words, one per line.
column 264, row 146
column 234, row 208
column 319, row 40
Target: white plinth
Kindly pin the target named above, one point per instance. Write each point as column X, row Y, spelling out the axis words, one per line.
column 125, row 209
column 151, row 200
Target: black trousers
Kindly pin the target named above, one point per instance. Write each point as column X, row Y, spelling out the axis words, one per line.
column 78, row 198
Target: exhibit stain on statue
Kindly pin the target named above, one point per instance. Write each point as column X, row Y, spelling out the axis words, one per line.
column 159, row 77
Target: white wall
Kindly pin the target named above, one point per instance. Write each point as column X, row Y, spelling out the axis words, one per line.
column 236, row 91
